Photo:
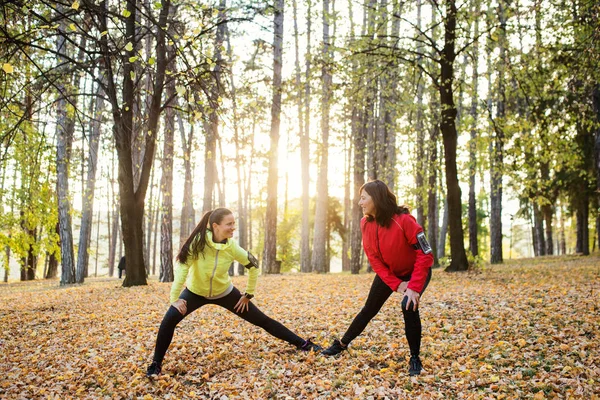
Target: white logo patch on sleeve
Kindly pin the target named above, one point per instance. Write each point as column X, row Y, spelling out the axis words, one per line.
column 423, row 243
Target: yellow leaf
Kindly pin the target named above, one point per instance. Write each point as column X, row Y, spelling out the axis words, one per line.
column 8, row 68
column 75, row 5
column 494, row 378
column 129, row 46
column 73, row 27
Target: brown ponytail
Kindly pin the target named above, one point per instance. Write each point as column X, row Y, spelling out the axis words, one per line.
column 195, row 243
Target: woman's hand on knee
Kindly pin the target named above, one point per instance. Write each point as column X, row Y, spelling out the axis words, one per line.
column 242, row 305
column 181, row 306
column 412, row 299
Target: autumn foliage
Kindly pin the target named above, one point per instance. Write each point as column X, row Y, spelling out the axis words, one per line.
column 526, row 330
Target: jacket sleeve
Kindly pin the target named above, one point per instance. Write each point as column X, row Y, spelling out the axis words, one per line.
column 181, row 273
column 423, row 261
column 249, row 261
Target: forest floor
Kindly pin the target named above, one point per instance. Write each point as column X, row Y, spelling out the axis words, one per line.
column 527, row 329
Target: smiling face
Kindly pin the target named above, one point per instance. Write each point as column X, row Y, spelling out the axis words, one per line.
column 224, row 229
column 367, row 204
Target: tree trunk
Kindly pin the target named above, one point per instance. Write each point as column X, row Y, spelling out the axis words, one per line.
column 52, row 270
column 443, row 231
column 85, row 232
column 305, row 254
column 319, row 258
column 538, row 223
column 596, row 105
column 562, row 240
column 420, row 171
column 432, row 198
column 243, row 230
column 64, row 139
column 270, row 264
column 149, row 216
column 358, row 136
column 497, row 147
column 188, row 213
column 547, row 212
column 371, row 93
column 166, row 184
column 448, row 127
column 155, row 218
column 582, row 214
column 212, row 133
column 473, row 242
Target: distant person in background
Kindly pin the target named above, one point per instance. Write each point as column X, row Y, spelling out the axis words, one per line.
column 401, row 257
column 203, row 265
column 121, row 266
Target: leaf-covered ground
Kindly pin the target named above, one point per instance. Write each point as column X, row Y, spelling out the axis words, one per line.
column 525, row 330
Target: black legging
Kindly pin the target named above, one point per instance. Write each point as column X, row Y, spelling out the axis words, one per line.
column 252, row 315
column 378, row 295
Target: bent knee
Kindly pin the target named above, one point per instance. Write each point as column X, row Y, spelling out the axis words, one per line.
column 172, row 317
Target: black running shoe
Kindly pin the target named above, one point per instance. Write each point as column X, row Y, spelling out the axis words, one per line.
column 415, row 366
column 310, row 346
column 335, row 348
column 153, row 370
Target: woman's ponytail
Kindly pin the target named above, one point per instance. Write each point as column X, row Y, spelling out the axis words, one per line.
column 194, row 247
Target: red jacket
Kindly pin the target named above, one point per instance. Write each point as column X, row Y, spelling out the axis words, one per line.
column 391, row 254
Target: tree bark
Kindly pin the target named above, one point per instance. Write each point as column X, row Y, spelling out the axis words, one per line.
column 319, row 257
column 270, row 264
column 497, row 149
column 448, row 127
column 242, row 223
column 472, row 212
column 596, row 105
column 305, row 253
column 582, row 215
column 52, row 270
column 166, row 184
column 443, row 231
column 432, row 198
column 547, row 212
column 85, row 232
column 188, row 213
column 420, row 171
column 212, row 133
column 538, row 223
column 64, row 139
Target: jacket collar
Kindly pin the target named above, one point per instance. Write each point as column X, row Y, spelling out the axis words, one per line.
column 216, row 246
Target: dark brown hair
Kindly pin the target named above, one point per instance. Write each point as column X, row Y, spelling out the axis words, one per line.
column 386, row 205
column 195, row 243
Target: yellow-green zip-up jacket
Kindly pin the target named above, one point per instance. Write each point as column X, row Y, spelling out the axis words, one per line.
column 207, row 275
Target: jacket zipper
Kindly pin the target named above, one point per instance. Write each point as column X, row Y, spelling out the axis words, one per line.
column 213, row 273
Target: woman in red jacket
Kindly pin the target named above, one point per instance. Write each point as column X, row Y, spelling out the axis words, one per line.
column 401, row 257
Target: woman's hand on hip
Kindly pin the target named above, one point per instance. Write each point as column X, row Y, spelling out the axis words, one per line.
column 181, row 306
column 411, row 297
column 242, row 304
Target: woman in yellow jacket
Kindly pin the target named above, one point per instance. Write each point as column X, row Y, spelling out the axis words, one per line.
column 204, row 261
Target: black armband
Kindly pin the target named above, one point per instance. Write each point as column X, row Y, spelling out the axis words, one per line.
column 422, row 243
column 253, row 261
